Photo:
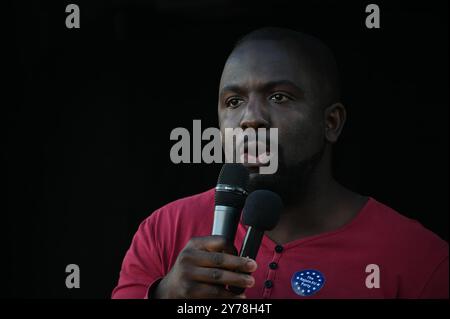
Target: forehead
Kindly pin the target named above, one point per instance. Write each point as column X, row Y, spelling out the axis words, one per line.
column 261, row 61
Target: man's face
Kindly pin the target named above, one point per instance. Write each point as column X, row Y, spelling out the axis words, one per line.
column 266, row 84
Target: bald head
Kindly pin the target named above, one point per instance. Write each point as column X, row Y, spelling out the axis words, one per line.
column 315, row 63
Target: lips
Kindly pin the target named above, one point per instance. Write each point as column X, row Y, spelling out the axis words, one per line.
column 254, row 156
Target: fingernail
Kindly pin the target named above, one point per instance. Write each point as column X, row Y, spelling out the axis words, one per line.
column 250, row 281
column 251, row 265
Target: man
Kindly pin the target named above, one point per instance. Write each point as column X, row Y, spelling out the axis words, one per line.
column 330, row 242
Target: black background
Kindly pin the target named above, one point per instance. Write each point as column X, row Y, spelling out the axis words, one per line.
column 91, row 109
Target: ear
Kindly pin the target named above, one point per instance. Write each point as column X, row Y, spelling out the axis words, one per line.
column 335, row 116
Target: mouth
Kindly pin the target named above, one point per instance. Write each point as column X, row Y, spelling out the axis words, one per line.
column 256, row 157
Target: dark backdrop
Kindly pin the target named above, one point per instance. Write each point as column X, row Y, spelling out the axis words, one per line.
column 90, row 112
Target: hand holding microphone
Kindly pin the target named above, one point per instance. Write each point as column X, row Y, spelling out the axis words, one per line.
column 208, row 264
column 208, row 267
column 203, row 269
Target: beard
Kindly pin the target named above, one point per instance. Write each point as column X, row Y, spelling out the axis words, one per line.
column 289, row 182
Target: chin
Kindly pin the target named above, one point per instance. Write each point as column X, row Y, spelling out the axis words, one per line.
column 262, row 181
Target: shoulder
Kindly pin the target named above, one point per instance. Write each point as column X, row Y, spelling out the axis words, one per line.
column 167, row 230
column 413, row 255
column 195, row 210
column 401, row 230
column 406, row 245
column 195, row 205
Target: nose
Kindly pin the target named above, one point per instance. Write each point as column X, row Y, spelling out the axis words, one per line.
column 255, row 116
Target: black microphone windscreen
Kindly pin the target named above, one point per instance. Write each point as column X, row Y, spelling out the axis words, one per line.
column 262, row 210
column 236, row 176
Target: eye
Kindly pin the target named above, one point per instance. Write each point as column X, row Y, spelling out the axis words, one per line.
column 234, row 102
column 280, row 98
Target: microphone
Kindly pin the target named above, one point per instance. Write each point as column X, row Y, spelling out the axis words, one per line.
column 261, row 213
column 229, row 199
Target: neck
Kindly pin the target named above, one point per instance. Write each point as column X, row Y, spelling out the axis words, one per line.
column 325, row 206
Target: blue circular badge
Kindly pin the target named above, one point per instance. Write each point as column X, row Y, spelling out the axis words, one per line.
column 307, row 282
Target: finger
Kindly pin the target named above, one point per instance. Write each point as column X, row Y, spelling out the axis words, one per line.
column 223, row 261
column 212, row 243
column 222, row 277
column 230, row 249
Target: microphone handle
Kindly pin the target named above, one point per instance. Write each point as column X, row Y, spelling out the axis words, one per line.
column 250, row 247
column 226, row 220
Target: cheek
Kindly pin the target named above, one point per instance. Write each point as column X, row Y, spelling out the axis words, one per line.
column 299, row 138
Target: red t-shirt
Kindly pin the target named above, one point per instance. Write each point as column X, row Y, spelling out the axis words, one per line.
column 379, row 254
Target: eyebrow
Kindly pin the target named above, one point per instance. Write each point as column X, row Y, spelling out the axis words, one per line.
column 264, row 87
